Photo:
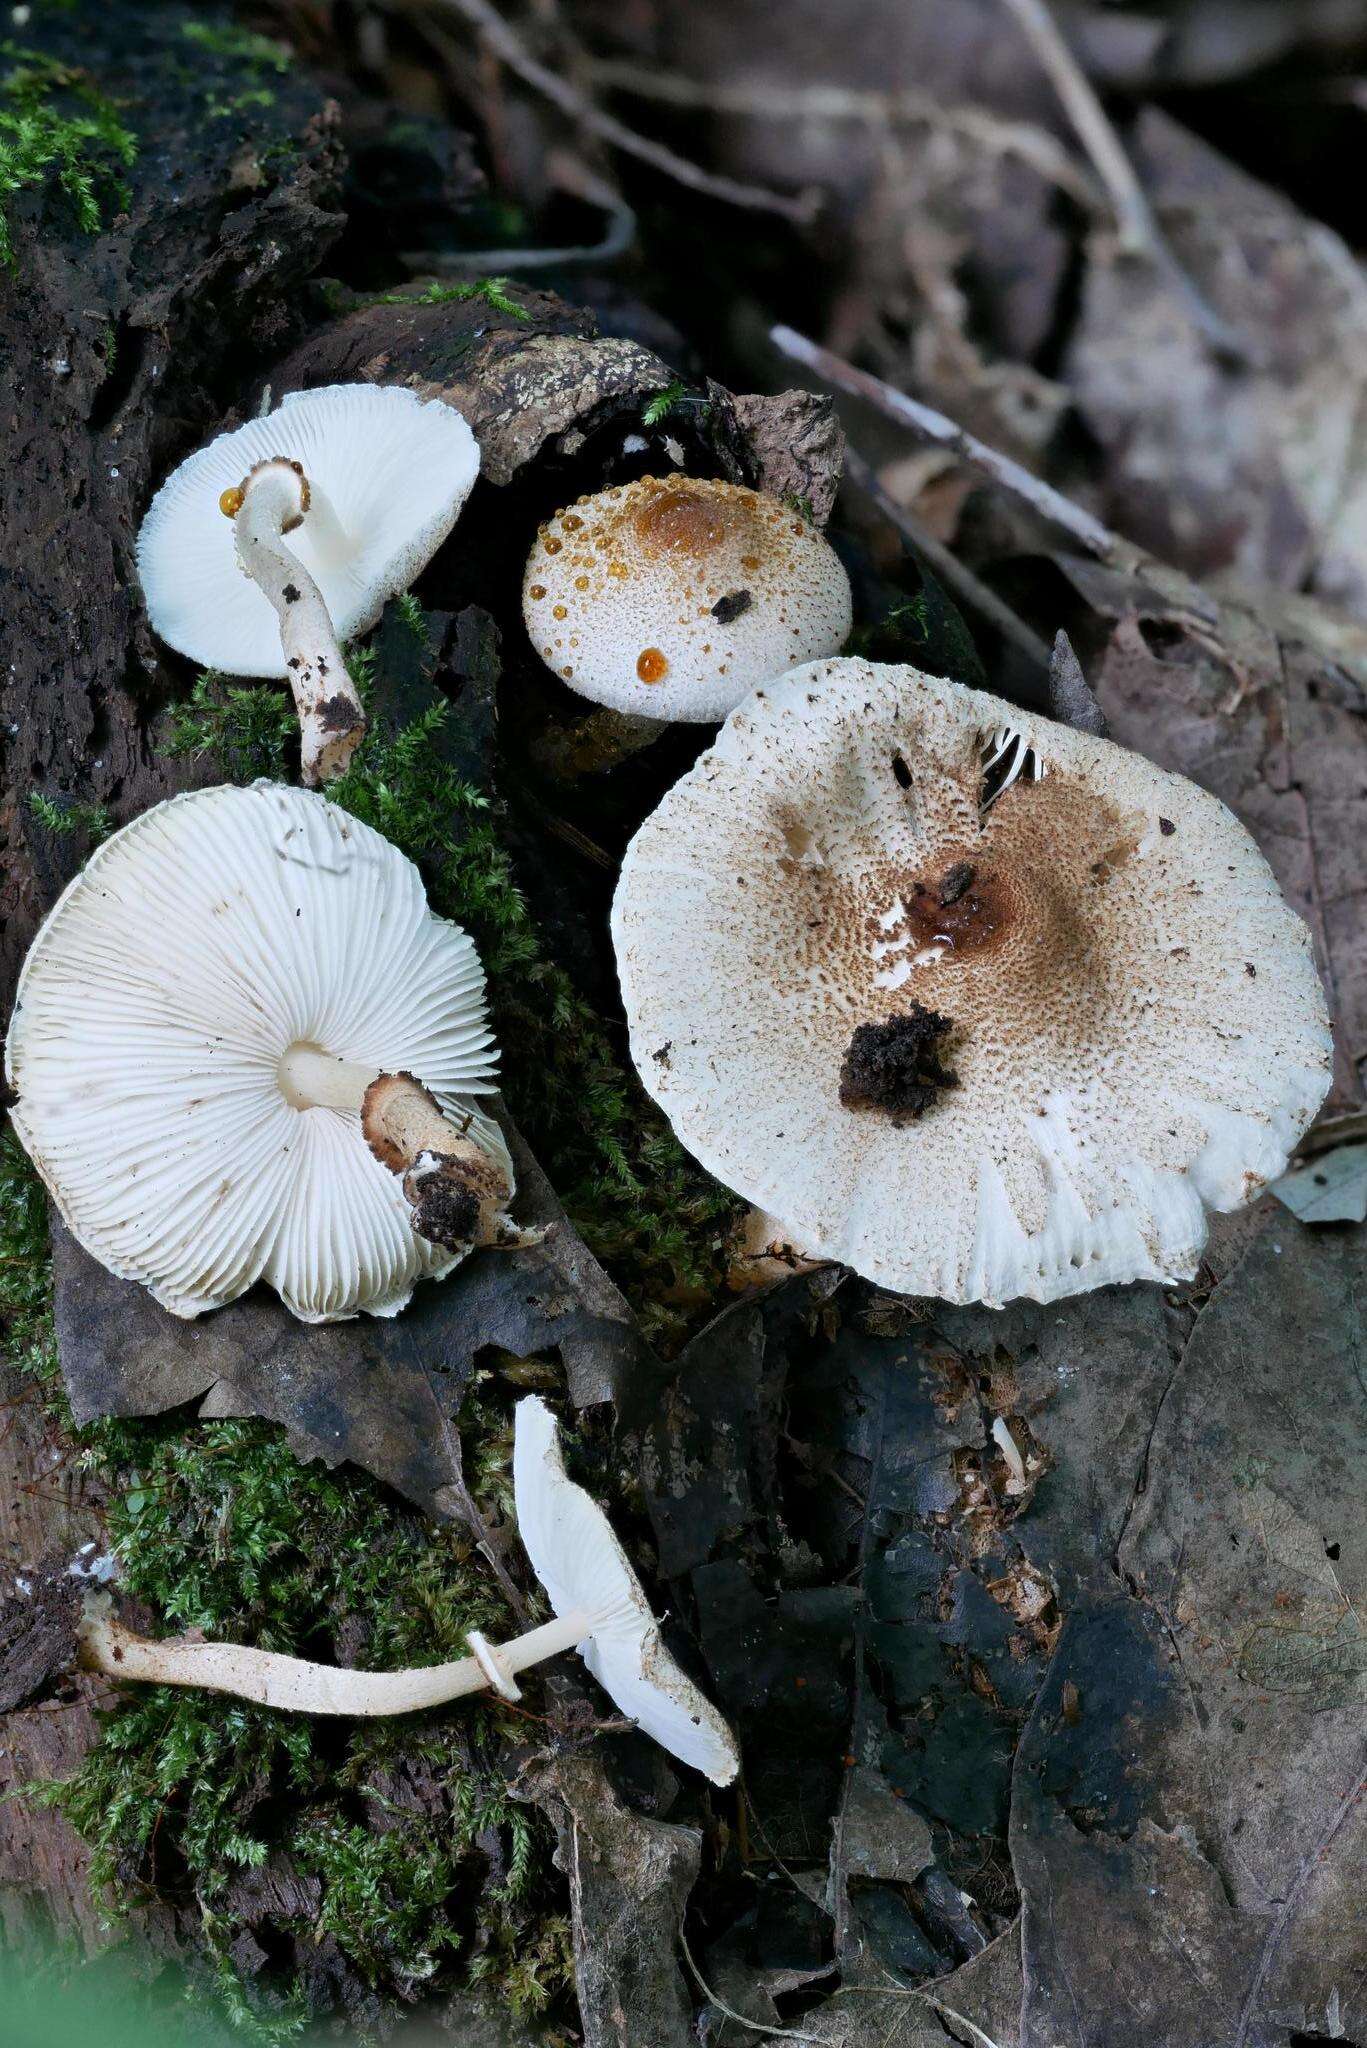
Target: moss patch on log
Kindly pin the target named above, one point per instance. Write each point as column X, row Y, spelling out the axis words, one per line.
column 55, row 126
column 379, row 1859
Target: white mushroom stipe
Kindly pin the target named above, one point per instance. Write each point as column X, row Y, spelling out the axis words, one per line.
column 366, row 481
column 670, row 598
column 601, row 1612
column 272, row 501
column 977, row 1004
column 296, row 1686
column 200, row 1023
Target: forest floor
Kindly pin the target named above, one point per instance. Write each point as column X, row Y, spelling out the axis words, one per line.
column 1041, row 1629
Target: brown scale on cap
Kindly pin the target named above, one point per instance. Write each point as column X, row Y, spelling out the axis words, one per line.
column 681, row 594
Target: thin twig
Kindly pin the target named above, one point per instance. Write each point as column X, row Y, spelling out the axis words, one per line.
column 755, row 2026
column 950, row 570
column 932, row 426
column 566, row 172
column 508, row 48
column 1140, row 234
column 904, row 108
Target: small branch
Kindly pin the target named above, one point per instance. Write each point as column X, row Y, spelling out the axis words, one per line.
column 904, row 108
column 932, row 426
column 755, row 2026
column 567, row 174
column 1140, row 234
column 950, row 570
column 508, row 48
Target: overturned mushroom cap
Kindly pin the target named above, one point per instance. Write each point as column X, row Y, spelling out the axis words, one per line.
column 209, row 949
column 390, row 472
column 584, row 1570
column 976, row 1004
column 672, row 599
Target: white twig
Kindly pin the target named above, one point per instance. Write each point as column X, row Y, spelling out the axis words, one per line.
column 755, row 2026
column 509, row 49
column 932, row 426
column 904, row 108
column 1140, row 234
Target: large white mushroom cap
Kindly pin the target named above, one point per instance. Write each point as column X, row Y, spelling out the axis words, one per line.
column 671, row 599
column 1136, row 1027
column 198, row 946
column 584, row 1569
column 393, row 471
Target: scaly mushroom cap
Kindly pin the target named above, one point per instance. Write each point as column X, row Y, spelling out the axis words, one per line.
column 584, row 1569
column 394, row 470
column 197, row 946
column 1092, row 1011
column 673, row 598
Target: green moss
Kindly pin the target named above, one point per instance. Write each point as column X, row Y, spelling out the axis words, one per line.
column 246, row 727
column 413, row 615
column 662, row 404
column 493, row 290
column 54, row 124
column 238, row 45
column 67, row 816
column 26, row 1339
column 252, row 99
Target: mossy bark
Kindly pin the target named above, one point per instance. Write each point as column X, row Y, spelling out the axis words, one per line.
column 118, row 350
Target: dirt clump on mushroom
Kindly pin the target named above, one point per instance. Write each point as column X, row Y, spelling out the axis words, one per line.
column 895, row 1066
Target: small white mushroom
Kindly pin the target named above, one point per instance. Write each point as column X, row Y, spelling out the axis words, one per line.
column 245, row 1049
column 584, row 1569
column 972, row 1002
column 671, row 598
column 601, row 1612
column 366, row 481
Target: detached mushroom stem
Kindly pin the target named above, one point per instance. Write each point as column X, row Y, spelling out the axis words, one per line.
column 457, row 1191
column 272, row 500
column 295, row 1686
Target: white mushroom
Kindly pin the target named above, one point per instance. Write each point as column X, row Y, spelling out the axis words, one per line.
column 977, row 1004
column 671, row 599
column 214, row 1046
column 366, row 481
column 600, row 1610
column 585, row 1570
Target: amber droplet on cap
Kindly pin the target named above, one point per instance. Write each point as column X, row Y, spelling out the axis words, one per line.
column 651, row 665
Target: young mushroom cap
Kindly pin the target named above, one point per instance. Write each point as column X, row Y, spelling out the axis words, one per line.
column 387, row 472
column 584, row 1569
column 672, row 598
column 197, row 1026
column 976, row 1004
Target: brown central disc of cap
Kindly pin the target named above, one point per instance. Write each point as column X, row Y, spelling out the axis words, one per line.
column 683, row 522
column 967, row 905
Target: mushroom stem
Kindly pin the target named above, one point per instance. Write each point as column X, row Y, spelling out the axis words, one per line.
column 299, row 1687
column 311, row 1079
column 270, row 502
column 457, row 1190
